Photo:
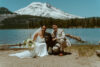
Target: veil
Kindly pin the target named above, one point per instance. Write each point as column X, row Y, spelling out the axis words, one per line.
column 38, row 30
column 27, row 41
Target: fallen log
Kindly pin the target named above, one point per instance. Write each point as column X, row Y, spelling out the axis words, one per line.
column 75, row 37
column 9, row 47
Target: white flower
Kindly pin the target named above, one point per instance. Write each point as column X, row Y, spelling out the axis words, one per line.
column 29, row 43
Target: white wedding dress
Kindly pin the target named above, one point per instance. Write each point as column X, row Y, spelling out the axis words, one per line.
column 40, row 50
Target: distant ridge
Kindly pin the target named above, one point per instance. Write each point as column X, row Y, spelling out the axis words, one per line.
column 4, row 10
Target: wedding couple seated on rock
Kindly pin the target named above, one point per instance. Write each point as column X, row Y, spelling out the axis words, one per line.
column 44, row 43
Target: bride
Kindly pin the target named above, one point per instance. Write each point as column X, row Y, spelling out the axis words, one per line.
column 40, row 48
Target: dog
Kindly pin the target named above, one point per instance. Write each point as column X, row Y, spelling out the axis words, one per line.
column 50, row 44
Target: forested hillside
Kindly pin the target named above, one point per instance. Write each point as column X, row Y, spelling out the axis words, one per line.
column 4, row 10
column 27, row 21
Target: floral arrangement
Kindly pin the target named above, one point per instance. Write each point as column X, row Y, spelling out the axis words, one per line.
column 29, row 43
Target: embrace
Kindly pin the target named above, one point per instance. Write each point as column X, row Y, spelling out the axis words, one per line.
column 46, row 43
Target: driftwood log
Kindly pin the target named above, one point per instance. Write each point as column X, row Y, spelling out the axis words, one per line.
column 75, row 37
column 8, row 47
column 15, row 47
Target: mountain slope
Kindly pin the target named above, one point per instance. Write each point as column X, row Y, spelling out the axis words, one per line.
column 5, row 13
column 4, row 10
column 45, row 10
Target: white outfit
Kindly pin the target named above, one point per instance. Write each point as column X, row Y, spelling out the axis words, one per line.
column 40, row 50
column 60, row 35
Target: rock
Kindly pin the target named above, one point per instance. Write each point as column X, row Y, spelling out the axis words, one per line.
column 98, row 53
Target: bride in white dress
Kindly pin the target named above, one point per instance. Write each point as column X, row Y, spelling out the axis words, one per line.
column 40, row 48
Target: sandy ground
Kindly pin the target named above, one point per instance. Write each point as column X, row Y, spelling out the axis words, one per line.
column 72, row 60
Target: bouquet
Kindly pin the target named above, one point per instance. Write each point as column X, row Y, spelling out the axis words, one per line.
column 29, row 43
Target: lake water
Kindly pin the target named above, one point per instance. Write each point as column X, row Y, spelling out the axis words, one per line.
column 15, row 36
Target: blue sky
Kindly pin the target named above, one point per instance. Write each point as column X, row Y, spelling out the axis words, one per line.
column 84, row 8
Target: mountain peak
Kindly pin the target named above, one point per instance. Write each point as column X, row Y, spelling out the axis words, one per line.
column 36, row 3
column 45, row 10
column 39, row 4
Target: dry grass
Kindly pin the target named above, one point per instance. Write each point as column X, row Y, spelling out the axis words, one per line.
column 83, row 50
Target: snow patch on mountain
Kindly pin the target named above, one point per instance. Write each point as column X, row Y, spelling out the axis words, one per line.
column 44, row 10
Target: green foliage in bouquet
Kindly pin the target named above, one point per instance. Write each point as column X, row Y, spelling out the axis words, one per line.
column 29, row 43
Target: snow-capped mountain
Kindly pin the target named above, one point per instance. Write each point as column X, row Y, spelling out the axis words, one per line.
column 45, row 10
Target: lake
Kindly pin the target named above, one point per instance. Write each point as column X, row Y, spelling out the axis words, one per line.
column 15, row 36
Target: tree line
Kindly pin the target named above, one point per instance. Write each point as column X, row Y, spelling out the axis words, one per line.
column 28, row 21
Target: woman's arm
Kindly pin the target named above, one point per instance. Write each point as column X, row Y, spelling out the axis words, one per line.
column 35, row 37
